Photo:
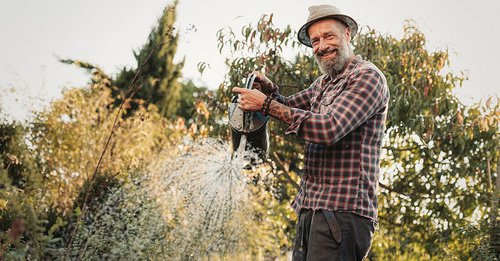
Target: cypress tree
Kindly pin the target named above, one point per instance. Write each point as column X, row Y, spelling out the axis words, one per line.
column 159, row 76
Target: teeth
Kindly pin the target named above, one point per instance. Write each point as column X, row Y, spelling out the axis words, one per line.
column 327, row 53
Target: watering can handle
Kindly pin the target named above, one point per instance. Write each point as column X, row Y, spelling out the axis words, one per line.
column 250, row 80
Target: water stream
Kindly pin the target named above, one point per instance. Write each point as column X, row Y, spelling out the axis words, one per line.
column 188, row 207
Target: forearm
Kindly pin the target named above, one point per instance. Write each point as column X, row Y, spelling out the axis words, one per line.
column 280, row 112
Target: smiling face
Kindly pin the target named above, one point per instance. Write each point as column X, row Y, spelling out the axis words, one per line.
column 330, row 42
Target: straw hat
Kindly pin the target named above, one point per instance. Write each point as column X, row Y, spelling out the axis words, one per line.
column 318, row 12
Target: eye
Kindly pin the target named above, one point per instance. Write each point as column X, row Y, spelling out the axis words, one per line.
column 314, row 41
column 329, row 36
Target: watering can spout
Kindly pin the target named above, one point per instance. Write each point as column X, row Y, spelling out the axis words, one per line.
column 251, row 125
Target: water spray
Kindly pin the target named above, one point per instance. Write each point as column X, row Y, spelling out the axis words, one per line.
column 181, row 210
column 249, row 131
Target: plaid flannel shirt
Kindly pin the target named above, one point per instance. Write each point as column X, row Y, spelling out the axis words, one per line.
column 342, row 122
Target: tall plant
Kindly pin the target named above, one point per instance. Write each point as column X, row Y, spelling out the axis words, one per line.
column 160, row 74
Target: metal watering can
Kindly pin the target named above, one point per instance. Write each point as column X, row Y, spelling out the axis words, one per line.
column 248, row 129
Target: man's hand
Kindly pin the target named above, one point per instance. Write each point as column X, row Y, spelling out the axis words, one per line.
column 250, row 100
column 263, row 84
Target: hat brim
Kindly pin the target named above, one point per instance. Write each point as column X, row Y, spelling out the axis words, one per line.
column 303, row 36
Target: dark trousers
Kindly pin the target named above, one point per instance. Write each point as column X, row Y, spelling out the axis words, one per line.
column 327, row 235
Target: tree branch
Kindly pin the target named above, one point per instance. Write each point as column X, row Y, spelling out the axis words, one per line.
column 400, row 149
column 285, row 171
column 132, row 89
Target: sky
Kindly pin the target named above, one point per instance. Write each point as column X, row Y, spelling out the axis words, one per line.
column 34, row 33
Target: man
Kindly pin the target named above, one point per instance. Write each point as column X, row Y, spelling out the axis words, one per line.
column 341, row 117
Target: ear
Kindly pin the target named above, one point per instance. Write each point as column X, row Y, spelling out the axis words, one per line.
column 347, row 33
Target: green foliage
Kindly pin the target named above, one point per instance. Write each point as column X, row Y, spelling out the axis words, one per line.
column 20, row 183
column 24, row 235
column 122, row 225
column 438, row 153
column 71, row 134
column 190, row 95
column 16, row 160
column 41, row 203
column 159, row 74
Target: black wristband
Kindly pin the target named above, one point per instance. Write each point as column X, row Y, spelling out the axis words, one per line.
column 265, row 106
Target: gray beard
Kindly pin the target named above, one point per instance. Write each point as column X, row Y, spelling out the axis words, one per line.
column 334, row 66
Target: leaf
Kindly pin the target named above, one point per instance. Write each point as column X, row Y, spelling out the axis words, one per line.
column 488, row 102
column 202, row 66
column 460, row 118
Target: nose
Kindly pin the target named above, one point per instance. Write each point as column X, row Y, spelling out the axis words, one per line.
column 322, row 45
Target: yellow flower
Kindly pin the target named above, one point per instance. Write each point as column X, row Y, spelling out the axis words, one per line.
column 3, row 204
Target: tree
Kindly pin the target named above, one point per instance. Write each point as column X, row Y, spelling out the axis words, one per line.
column 438, row 155
column 189, row 95
column 70, row 135
column 19, row 185
column 160, row 75
column 438, row 152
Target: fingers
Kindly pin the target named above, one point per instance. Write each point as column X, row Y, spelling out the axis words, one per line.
column 249, row 100
column 241, row 106
column 241, row 98
column 239, row 90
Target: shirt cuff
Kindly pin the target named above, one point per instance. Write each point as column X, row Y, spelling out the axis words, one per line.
column 280, row 98
column 298, row 116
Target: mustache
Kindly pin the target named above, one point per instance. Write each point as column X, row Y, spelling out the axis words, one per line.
column 327, row 51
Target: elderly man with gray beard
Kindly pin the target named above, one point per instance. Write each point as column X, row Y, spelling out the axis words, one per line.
column 341, row 118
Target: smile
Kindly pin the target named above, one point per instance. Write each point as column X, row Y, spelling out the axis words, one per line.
column 328, row 53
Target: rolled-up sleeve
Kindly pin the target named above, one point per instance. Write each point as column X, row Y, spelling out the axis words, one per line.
column 364, row 95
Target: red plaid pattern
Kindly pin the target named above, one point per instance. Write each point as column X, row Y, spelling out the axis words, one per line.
column 342, row 122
